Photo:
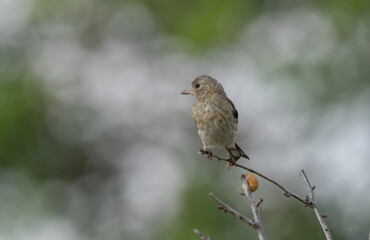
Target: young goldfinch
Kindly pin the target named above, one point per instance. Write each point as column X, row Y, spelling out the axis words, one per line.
column 216, row 117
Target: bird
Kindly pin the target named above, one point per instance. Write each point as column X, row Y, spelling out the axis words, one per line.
column 216, row 117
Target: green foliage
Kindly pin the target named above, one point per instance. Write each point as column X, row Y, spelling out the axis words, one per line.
column 354, row 8
column 204, row 23
column 27, row 142
column 21, row 111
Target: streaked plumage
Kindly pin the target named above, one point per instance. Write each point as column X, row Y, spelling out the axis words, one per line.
column 215, row 115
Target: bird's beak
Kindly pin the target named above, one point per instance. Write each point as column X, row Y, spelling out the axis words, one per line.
column 188, row 91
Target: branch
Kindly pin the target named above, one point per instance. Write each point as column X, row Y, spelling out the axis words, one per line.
column 259, row 202
column 252, row 201
column 227, row 208
column 315, row 207
column 287, row 192
column 308, row 201
column 203, row 237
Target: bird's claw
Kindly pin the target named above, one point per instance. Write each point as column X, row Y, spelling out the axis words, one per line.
column 231, row 162
column 209, row 153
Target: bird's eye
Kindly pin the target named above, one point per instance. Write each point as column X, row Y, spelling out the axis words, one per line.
column 197, row 85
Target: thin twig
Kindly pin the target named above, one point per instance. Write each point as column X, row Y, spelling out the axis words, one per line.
column 227, row 208
column 259, row 202
column 315, row 206
column 202, row 236
column 252, row 201
column 287, row 192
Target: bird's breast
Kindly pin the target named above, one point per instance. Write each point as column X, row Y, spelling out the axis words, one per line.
column 216, row 127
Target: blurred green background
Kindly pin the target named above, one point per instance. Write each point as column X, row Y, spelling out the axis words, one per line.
column 97, row 143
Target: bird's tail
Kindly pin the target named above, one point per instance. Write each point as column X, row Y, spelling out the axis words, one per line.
column 237, row 152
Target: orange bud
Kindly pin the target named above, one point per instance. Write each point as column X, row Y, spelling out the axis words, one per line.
column 252, row 182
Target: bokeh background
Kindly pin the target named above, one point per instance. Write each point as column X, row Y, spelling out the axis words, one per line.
column 97, row 143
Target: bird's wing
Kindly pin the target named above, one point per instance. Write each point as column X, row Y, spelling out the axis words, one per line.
column 234, row 111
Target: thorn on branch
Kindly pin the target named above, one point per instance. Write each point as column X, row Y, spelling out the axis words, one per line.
column 220, row 207
column 259, row 202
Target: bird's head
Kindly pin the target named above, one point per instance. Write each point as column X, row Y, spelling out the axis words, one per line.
column 203, row 87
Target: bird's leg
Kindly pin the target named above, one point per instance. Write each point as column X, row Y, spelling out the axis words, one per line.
column 231, row 161
column 209, row 153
